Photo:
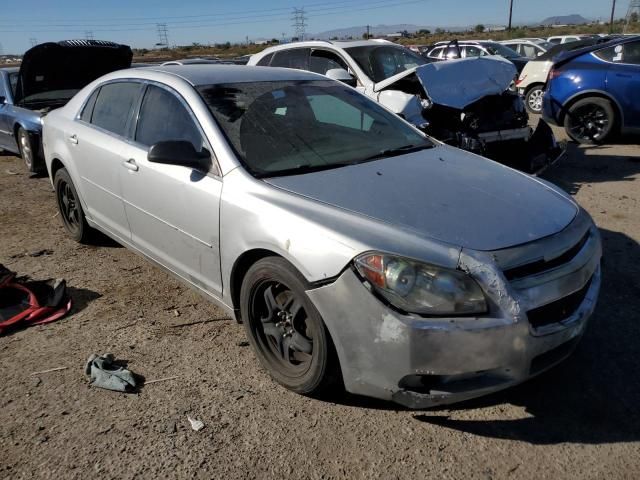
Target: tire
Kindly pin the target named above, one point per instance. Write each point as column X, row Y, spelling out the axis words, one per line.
column 27, row 149
column 70, row 208
column 590, row 121
column 533, row 99
column 286, row 330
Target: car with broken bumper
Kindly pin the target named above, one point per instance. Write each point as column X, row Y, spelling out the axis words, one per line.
column 466, row 103
column 355, row 249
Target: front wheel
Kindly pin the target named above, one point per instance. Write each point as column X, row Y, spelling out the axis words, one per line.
column 28, row 149
column 285, row 329
column 70, row 208
column 533, row 99
column 590, row 120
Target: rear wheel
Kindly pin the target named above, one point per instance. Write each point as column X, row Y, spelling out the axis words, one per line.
column 285, row 329
column 533, row 99
column 590, row 120
column 70, row 208
column 27, row 149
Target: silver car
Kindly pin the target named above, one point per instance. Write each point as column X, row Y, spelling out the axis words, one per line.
column 356, row 250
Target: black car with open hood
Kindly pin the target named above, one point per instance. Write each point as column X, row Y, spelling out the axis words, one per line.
column 50, row 75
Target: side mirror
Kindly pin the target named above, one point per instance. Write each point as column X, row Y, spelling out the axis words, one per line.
column 179, row 152
column 539, row 54
column 341, row 75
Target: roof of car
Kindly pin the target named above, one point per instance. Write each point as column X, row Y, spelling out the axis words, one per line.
column 10, row 69
column 216, row 74
column 324, row 43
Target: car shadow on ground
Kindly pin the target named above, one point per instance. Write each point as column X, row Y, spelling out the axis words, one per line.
column 593, row 164
column 593, row 396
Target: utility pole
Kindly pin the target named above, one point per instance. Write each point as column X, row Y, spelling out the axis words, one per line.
column 613, row 12
column 163, row 35
column 299, row 22
column 368, row 36
column 511, row 14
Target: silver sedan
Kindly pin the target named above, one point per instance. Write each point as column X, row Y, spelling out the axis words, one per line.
column 357, row 251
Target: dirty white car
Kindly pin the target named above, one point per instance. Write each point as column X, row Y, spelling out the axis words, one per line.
column 467, row 103
column 355, row 249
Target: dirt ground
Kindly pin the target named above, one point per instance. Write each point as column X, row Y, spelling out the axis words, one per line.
column 579, row 420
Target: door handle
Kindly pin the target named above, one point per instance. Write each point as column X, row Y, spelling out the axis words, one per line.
column 73, row 139
column 130, row 165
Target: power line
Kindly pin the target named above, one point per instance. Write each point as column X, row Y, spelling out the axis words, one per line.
column 299, row 23
column 326, row 11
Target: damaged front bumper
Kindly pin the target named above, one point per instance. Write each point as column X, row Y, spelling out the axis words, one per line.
column 423, row 362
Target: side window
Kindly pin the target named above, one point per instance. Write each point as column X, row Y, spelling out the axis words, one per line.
column 471, row 51
column 113, row 105
column 322, row 61
column 528, row 51
column 163, row 117
column 85, row 116
column 631, row 53
column 264, row 61
column 555, row 40
column 13, row 82
column 330, row 109
column 436, row 52
column 608, row 54
column 295, row 58
column 2, row 92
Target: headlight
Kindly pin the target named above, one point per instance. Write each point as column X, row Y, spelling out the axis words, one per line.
column 421, row 288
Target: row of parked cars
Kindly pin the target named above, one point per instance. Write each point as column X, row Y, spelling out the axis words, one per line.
column 358, row 251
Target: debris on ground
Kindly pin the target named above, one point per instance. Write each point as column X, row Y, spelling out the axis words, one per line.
column 108, row 373
column 196, row 425
column 56, row 369
column 26, row 302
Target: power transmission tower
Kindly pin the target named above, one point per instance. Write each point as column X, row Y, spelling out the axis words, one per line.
column 299, row 22
column 33, row 41
column 1, row 50
column 633, row 14
column 88, row 34
column 163, row 35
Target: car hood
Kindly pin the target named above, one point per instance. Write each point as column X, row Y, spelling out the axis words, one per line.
column 445, row 194
column 68, row 65
column 458, row 83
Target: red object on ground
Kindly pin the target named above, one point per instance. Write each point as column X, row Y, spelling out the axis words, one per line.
column 30, row 303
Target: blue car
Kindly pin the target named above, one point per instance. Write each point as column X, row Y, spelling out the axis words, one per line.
column 594, row 91
column 49, row 76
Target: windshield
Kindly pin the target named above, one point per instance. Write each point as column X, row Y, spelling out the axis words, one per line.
column 382, row 62
column 53, row 96
column 499, row 49
column 13, row 82
column 291, row 127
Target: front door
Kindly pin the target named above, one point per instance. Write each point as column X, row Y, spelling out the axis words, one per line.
column 173, row 210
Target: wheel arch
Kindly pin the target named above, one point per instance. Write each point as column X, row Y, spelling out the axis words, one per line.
column 619, row 120
column 56, row 164
column 239, row 270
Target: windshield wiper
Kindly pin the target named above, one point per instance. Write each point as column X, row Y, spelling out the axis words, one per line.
column 299, row 170
column 393, row 152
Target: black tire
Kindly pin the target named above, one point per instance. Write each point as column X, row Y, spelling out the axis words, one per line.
column 590, row 121
column 28, row 149
column 286, row 330
column 70, row 208
column 533, row 99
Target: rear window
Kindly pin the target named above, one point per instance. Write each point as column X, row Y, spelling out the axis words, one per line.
column 297, row 58
column 626, row 53
column 264, row 61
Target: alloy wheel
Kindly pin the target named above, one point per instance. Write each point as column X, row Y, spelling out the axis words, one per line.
column 25, row 149
column 589, row 121
column 534, row 99
column 69, row 207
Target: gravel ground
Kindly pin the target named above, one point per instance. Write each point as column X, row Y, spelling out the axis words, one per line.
column 579, row 420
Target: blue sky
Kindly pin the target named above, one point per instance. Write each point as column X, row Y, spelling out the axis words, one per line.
column 205, row 21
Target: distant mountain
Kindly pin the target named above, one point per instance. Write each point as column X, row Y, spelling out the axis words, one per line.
column 574, row 19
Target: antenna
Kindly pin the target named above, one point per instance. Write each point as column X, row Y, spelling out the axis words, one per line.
column 163, row 35
column 299, row 22
column 633, row 14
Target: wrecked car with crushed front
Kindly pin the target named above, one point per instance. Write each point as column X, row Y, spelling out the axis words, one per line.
column 49, row 75
column 355, row 249
column 470, row 103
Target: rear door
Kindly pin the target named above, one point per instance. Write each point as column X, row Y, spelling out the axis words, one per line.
column 623, row 78
column 97, row 140
column 5, row 131
column 173, row 210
